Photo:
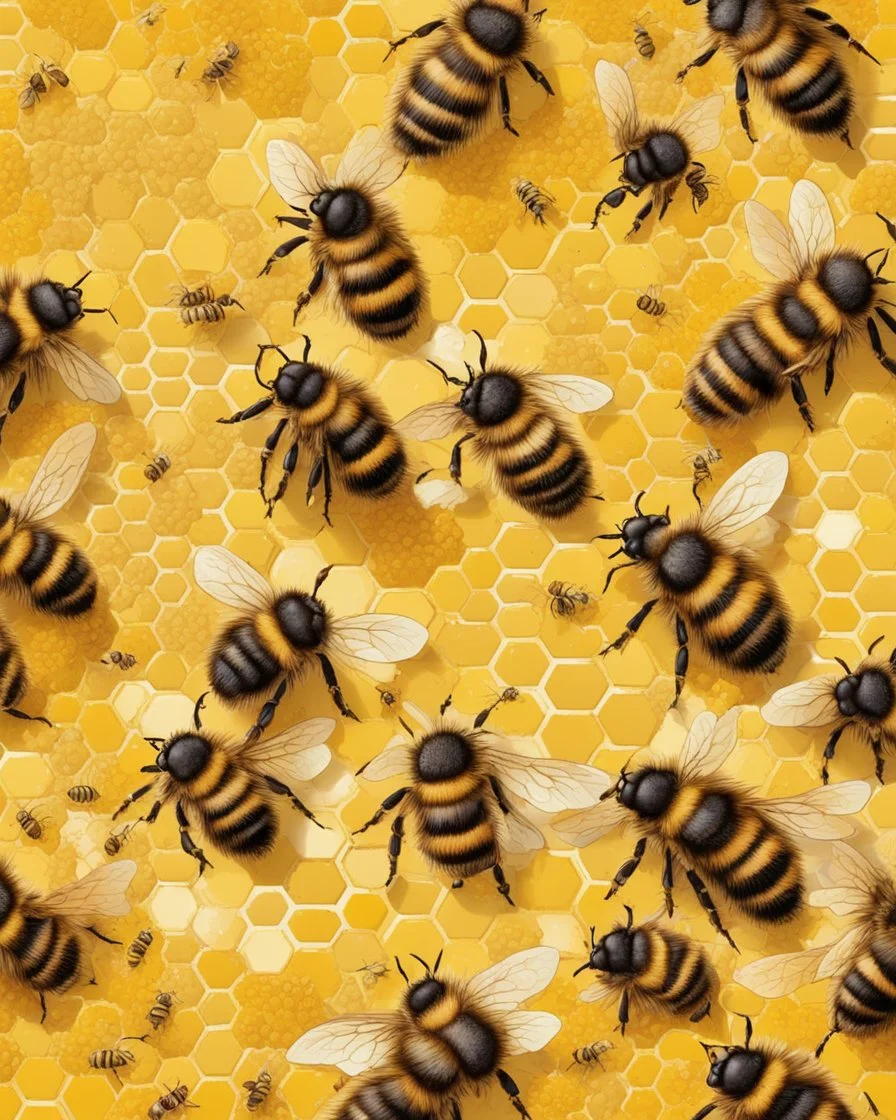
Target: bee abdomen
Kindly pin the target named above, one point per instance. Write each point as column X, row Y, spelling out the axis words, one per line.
column 247, row 831
column 819, row 104
column 741, row 371
column 13, row 679
column 371, row 454
column 546, row 471
column 445, row 99
column 10, row 338
column 241, row 665
column 50, row 957
column 57, row 576
column 762, row 874
column 388, row 1099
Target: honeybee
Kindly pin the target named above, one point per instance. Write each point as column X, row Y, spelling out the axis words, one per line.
column 159, row 464
column 228, row 788
column 138, row 947
column 591, row 1055
column 388, row 696
column 460, row 796
column 444, row 97
column 35, row 86
column 658, row 968
column 32, row 826
column 356, row 236
column 201, row 305
column 701, row 461
column 173, row 1099
column 534, row 199
column 124, row 661
column 258, row 1090
column 374, row 972
column 83, row 795
column 54, row 73
column 650, row 303
column 449, row 1040
column 116, row 1057
column 713, row 828
column 656, row 155
column 219, row 66
column 706, row 580
column 36, row 317
column 41, row 935
column 861, row 964
column 160, row 1012
column 278, row 634
column 150, row 16
column 340, row 421
column 787, row 52
column 643, row 39
column 566, row 598
column 823, row 301
column 519, row 432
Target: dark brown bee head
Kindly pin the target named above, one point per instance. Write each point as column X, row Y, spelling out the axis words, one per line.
column 343, row 213
column 184, row 756
column 495, row 29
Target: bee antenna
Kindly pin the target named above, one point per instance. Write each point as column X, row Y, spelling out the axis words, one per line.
column 593, row 942
column 77, row 284
column 483, row 352
column 101, row 311
column 471, row 374
column 448, row 379
column 748, row 1035
column 843, row 665
column 876, row 642
column 613, row 571
column 667, row 513
column 153, row 742
column 608, row 536
column 423, row 962
column 631, row 917
column 582, row 967
column 435, row 967
column 638, row 498
column 402, row 972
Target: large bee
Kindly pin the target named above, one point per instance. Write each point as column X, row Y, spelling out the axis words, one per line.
column 444, row 97
column 36, row 318
column 655, row 156
column 519, row 432
column 229, row 789
column 278, row 634
column 864, row 700
column 655, row 967
column 823, row 301
column 861, row 964
column 786, row 51
column 718, row 830
column 706, row 580
column 450, row 1038
column 41, row 935
column 356, row 237
column 339, row 420
column 460, row 791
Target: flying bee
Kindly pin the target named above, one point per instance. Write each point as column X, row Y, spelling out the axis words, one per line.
column 32, row 826
column 160, row 1012
column 706, row 580
column 701, row 461
column 566, row 598
column 258, row 1090
column 650, row 303
column 591, row 1055
column 230, row 788
column 356, row 237
column 138, row 947
column 338, row 419
column 823, row 300
column 220, row 66
column 787, row 52
column 201, row 305
column 516, row 422
column 745, row 845
column 279, row 634
column 374, row 972
column 83, row 795
column 34, row 87
column 460, row 795
column 159, row 464
column 173, row 1099
column 535, row 200
column 124, row 661
column 116, row 1057
column 150, row 16
column 41, row 935
column 447, row 93
column 643, row 39
column 659, row 156
column 448, row 1041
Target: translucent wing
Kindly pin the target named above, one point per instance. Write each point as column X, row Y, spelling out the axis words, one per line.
column 583, row 828
column 747, row 495
column 442, row 492
column 354, row 1043
column 517, row 835
column 298, row 754
column 805, row 704
column 842, row 901
column 811, row 223
column 595, row 992
column 814, row 814
column 549, row 784
column 770, row 242
column 578, row 394
column 369, row 163
column 230, row 580
column 617, row 99
column 58, row 476
column 709, row 742
column 390, row 763
column 430, row 421
column 527, row 1031
column 700, row 125
column 507, row 984
column 854, row 882
column 782, row 974
column 840, row 954
column 82, row 373
column 293, row 173
column 377, row 637
column 98, row 894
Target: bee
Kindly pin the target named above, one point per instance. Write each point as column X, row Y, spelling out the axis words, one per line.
column 787, row 52
column 138, row 947
column 219, row 66
column 658, row 968
column 861, row 964
column 158, row 465
column 516, row 421
column 34, row 87
column 151, row 15
column 36, row 318
column 650, row 303
column 258, row 1090
column 717, row 830
column 706, row 580
column 460, row 795
column 173, row 1100
column 279, row 634
column 659, row 156
column 116, row 1057
column 824, row 298
column 124, row 661
column 566, row 598
column 388, row 696
column 535, row 200
column 445, row 96
column 55, row 73
column 643, row 39
column 449, row 1040
column 356, row 237
column 160, row 1012
column 201, row 305
column 701, row 461
column 338, row 419
column 30, row 824
column 83, row 795
column 229, row 788
column 374, row 972
column 41, row 935
column 591, row 1055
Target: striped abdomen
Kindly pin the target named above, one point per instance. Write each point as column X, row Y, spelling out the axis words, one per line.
column 674, row 970
column 369, row 454
column 864, row 1001
column 47, row 953
column 385, row 1096
column 55, row 575
column 455, row 828
column 13, row 678
column 236, row 814
column 241, row 664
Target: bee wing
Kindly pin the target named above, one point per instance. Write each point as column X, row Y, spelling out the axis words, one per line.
column 517, row 835
column 841, row 953
column 747, row 495
column 369, row 163
column 430, row 421
column 527, row 1031
column 293, row 173
column 805, row 704
column 59, row 474
column 506, row 985
column 100, row 893
column 82, row 374
column 709, row 742
column 783, row 973
column 595, row 992
column 700, row 125
column 442, row 492
column 298, row 754
column 389, row 763
column 853, row 881
column 578, row 394
column 230, row 580
column 549, row 784
column 583, row 828
column 617, row 99
column 813, row 814
column 418, row 715
column 811, row 223
column 383, row 638
column 770, row 242
column 353, row 1043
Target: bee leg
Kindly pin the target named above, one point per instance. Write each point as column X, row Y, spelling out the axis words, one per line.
column 623, row 1012
column 827, row 1038
column 152, row 814
column 395, row 847
column 200, row 704
column 248, row 413
column 840, row 31
column 628, row 869
column 321, row 468
column 454, row 465
column 420, row 33
column 701, row 1012
column 878, row 759
column 43, row 1006
column 266, row 715
column 503, row 885
column 707, row 1108
column 285, row 791
column 101, row 936
column 505, row 106
column 117, row 1077
column 798, row 391
column 512, row 1090
column 333, row 685
column 705, row 900
column 283, row 251
column 131, row 798
column 682, row 658
column 15, row 399
column 479, row 721
column 829, row 750
column 640, row 217
column 270, row 446
column 668, row 882
column 536, row 75
column 614, row 199
column 455, row 1111
column 701, row 60
column 391, row 802
column 877, row 346
column 24, row 715
column 829, row 370
column 290, row 459
column 186, row 840
column 304, row 298
column 631, row 627
column 742, row 95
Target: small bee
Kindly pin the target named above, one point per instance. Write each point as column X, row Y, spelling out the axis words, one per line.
column 201, row 305
column 658, row 968
column 517, row 423
column 138, row 947
column 158, row 465
column 124, row 661
column 83, row 795
column 258, row 1090
column 823, row 301
column 41, row 935
column 388, row 696
column 116, row 1057
column 229, row 788
column 151, row 15
column 658, row 156
column 278, row 635
column 591, row 1055
column 30, row 824
column 374, row 972
column 173, row 1100
column 54, row 73
column 343, row 425
column 115, row 841
column 356, row 237
column 643, row 39
column 471, row 1025
column 566, row 598
column 445, row 96
column 704, row 823
column 535, row 199
column 459, row 796
column 219, row 66
column 788, row 52
column 706, row 580
column 650, row 303
column 701, row 461
column 160, row 1012
column 34, row 87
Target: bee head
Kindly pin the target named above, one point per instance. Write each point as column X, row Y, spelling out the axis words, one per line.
column 426, row 993
column 54, row 305
column 491, row 398
column 636, row 530
column 184, row 756
column 647, row 792
column 613, row 952
column 494, row 28
column 344, row 213
column 442, row 756
column 867, row 693
column 733, row 1070
column 302, row 619
column 299, row 384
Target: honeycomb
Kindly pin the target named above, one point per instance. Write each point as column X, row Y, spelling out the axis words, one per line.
column 142, row 174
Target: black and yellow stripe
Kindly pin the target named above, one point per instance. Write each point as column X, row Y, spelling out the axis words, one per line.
column 242, row 665
column 46, row 951
column 53, row 574
column 13, row 677
column 789, row 1087
column 236, row 813
column 455, row 827
column 673, row 970
column 864, row 1000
